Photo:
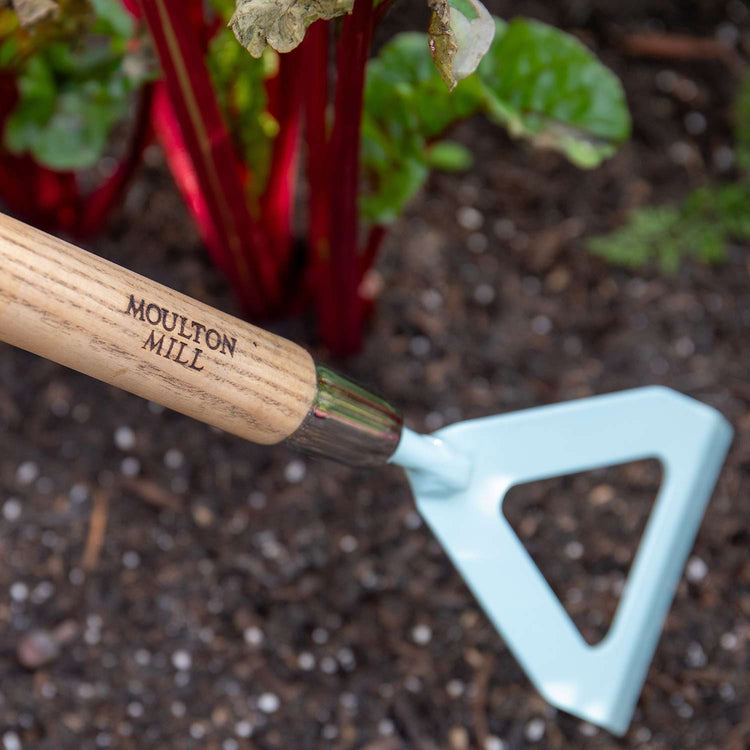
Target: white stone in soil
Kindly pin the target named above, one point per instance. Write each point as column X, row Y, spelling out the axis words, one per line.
column 11, row 741
column 124, row 438
column 534, row 730
column 295, row 471
column 12, row 509
column 253, row 635
column 421, row 634
column 696, row 569
column 182, row 660
column 27, row 472
column 19, row 591
column 269, row 703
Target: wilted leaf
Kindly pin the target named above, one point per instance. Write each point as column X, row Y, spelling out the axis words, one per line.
column 457, row 43
column 31, row 12
column 280, row 24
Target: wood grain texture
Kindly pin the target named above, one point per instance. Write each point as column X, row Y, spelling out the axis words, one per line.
column 86, row 313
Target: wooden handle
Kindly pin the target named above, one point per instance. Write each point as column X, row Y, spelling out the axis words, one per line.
column 86, row 313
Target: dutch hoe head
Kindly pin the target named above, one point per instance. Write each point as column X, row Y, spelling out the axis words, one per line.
column 77, row 309
column 484, row 458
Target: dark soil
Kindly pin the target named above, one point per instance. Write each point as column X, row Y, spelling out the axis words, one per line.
column 245, row 597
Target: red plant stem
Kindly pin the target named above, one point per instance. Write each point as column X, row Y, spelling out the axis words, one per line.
column 243, row 246
column 100, row 203
column 277, row 203
column 375, row 238
column 181, row 167
column 315, row 104
column 346, row 313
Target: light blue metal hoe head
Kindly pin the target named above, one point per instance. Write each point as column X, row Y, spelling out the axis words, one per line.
column 461, row 474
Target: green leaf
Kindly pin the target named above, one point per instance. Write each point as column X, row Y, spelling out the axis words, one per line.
column 239, row 83
column 700, row 228
column 537, row 82
column 449, row 156
column 112, row 19
column 545, row 86
column 72, row 96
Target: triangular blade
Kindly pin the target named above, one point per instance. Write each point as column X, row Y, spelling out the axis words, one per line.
column 599, row 683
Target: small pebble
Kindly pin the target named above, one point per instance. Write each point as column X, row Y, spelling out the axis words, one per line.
column 42, row 591
column 477, row 242
column 197, row 731
column 330, row 732
column 178, row 709
column 174, row 459
column 182, row 660
column 494, row 743
column 541, row 325
column 587, row 730
column 320, row 636
column 696, row 570
column 729, row 641
column 431, row 300
column 306, row 661
column 12, row 509
column 124, row 438
column 328, row 665
column 727, row 691
column 135, row 709
column 269, row 703
column 131, row 559
column 78, row 493
column 696, row 656
column 534, row 730
column 142, row 657
column 504, row 229
column 37, row 649
column 484, row 294
column 230, row 744
column 76, row 576
column 130, row 466
column 695, row 123
column 421, row 634
column 243, row 728
column 455, row 688
column 574, row 550
column 295, row 471
column 19, row 591
column 257, row 500
column 386, row 727
column 723, row 158
column 11, row 741
column 419, row 346
column 253, row 635
column 27, row 472
column 348, row 543
column 469, row 218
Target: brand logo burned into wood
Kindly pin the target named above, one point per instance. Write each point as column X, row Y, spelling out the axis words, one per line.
column 179, row 330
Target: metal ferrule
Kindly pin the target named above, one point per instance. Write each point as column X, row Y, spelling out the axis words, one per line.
column 348, row 423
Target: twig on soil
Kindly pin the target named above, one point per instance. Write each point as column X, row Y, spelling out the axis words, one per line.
column 479, row 704
column 97, row 530
column 679, row 47
column 152, row 493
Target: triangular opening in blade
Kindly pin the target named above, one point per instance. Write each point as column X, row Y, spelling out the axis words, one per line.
column 582, row 531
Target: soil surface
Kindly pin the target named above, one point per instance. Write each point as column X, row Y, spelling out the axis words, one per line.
column 243, row 597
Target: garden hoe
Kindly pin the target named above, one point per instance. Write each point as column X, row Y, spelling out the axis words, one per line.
column 86, row 313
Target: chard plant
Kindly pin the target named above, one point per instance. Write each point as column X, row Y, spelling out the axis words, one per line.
column 262, row 102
